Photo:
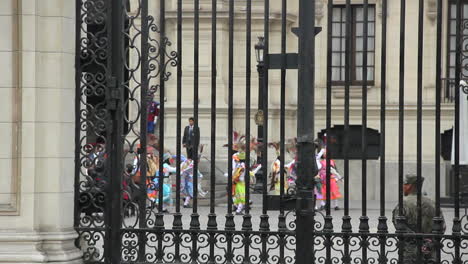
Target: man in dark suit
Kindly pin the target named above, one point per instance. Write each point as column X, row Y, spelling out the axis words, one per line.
column 191, row 139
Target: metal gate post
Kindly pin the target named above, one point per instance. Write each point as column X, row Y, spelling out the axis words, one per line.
column 305, row 134
column 114, row 85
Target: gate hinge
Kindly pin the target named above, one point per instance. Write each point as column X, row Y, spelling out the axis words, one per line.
column 114, row 94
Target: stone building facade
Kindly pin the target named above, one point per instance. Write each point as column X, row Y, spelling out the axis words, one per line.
column 37, row 93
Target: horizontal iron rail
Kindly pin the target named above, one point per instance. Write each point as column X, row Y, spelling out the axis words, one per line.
column 193, row 231
column 392, row 235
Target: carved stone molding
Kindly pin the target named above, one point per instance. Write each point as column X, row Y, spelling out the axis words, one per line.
column 378, row 4
column 319, row 10
column 10, row 130
column 431, row 10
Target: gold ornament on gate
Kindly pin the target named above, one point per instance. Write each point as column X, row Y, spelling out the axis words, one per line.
column 259, row 118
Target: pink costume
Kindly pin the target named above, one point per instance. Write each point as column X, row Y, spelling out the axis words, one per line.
column 334, row 189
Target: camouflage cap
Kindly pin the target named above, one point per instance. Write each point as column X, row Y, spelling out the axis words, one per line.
column 412, row 178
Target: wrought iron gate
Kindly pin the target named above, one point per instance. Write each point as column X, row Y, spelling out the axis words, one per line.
column 124, row 57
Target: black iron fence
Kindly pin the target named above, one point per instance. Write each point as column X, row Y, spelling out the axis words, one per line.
column 123, row 172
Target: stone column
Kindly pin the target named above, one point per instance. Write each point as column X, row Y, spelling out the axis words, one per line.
column 37, row 161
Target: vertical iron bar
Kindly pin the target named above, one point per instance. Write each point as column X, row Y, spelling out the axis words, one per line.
column 178, row 216
column 281, row 220
column 419, row 111
column 419, row 127
column 247, row 223
column 115, row 190
column 143, row 127
column 110, row 128
column 438, row 102
column 401, row 218
column 230, row 225
column 364, row 219
column 347, row 218
column 382, row 227
column 346, row 225
column 177, row 223
column 456, row 229
column 162, row 92
column 159, row 223
column 328, row 114
column 230, row 109
column 212, row 225
column 328, row 225
column 305, row 133
column 264, row 225
column 457, row 105
column 401, row 106
column 364, row 225
column 438, row 221
column 78, row 71
column 281, row 217
column 195, row 224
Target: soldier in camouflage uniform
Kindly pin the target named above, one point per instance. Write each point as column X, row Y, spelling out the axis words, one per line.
column 410, row 212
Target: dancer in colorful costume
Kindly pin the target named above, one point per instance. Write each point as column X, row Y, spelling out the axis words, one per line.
column 187, row 179
column 291, row 167
column 152, row 165
column 153, row 114
column 167, row 171
column 239, row 170
column 238, row 182
column 322, row 178
column 275, row 174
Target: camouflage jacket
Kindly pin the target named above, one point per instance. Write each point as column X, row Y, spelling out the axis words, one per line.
column 410, row 211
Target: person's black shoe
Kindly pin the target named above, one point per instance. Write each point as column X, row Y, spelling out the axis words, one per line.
column 239, row 213
column 187, row 206
column 337, row 208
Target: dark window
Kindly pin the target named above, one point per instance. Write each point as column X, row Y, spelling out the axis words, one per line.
column 357, row 41
column 335, row 142
column 449, row 89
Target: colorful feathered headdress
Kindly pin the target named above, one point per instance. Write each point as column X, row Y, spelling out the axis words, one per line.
column 275, row 145
column 291, row 146
column 254, row 144
column 238, row 141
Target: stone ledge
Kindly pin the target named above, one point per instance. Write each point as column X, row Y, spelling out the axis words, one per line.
column 39, row 247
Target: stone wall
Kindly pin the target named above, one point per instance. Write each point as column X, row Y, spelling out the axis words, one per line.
column 37, row 128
